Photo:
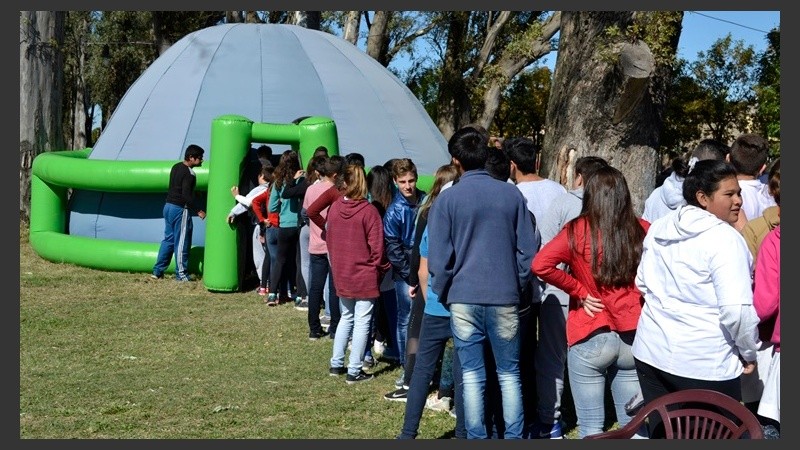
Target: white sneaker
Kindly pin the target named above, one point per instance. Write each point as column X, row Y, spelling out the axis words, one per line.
column 435, row 403
column 378, row 348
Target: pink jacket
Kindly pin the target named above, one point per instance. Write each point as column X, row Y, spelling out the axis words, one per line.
column 767, row 288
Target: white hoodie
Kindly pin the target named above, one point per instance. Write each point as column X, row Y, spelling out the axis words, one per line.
column 698, row 315
column 664, row 199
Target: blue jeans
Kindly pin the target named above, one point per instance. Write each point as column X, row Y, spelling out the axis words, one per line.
column 403, row 318
column 473, row 326
column 177, row 240
column 433, row 339
column 603, row 355
column 355, row 319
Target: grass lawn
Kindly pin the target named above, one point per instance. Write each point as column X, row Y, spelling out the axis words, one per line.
column 110, row 355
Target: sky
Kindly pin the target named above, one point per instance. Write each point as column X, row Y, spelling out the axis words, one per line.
column 702, row 28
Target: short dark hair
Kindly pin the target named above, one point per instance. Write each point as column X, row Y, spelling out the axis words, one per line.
column 193, row 151
column 355, row 158
column 710, row 149
column 498, row 165
column 468, row 146
column 749, row 153
column 522, row 152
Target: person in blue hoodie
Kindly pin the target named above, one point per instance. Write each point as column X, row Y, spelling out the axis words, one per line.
column 482, row 241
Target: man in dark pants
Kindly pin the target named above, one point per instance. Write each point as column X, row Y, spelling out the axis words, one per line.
column 178, row 207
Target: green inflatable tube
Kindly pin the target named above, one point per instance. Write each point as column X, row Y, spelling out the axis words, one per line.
column 54, row 173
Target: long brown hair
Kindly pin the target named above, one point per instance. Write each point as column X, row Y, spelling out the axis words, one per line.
column 444, row 174
column 287, row 167
column 613, row 228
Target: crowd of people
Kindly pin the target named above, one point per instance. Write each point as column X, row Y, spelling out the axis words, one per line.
column 498, row 287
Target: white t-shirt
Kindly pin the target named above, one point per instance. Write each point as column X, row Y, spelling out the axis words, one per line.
column 755, row 198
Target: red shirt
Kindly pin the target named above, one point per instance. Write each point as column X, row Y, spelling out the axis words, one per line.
column 623, row 305
column 259, row 205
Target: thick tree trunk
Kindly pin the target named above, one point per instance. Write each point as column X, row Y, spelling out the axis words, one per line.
column 41, row 34
column 605, row 104
column 352, row 26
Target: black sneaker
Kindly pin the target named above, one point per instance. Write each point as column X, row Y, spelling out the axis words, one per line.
column 362, row 376
column 314, row 336
column 336, row 371
column 398, row 395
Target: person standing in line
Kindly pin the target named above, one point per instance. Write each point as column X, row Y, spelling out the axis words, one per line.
column 287, row 173
column 435, row 329
column 754, row 232
column 243, row 204
column 381, row 342
column 698, row 327
column 179, row 204
column 481, row 243
column 602, row 248
column 748, row 155
column 319, row 266
column 354, row 236
column 767, row 302
column 669, row 195
column 550, row 360
column 539, row 193
column 398, row 230
column 314, row 213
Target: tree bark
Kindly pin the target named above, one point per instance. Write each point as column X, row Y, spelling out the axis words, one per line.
column 41, row 35
column 308, row 19
column 453, row 103
column 602, row 104
column 352, row 26
column 378, row 37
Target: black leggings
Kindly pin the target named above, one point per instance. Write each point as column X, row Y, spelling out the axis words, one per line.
column 287, row 264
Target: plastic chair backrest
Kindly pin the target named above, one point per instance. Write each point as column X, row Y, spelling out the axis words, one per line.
column 694, row 414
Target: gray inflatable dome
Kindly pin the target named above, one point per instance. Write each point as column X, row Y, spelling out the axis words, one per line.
column 267, row 73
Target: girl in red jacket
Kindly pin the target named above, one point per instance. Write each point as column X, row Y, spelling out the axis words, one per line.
column 602, row 247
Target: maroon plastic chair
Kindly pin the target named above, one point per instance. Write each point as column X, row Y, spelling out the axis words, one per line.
column 686, row 414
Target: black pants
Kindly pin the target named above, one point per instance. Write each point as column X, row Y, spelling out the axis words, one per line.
column 656, row 382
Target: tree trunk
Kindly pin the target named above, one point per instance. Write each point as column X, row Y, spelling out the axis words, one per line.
column 351, row 26
column 452, row 104
column 607, row 99
column 308, row 19
column 41, row 34
column 234, row 17
column 378, row 37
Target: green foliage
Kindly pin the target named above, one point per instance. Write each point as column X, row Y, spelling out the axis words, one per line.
column 714, row 96
column 523, row 106
column 768, row 92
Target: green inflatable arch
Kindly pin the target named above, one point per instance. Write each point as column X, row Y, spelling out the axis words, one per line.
column 54, row 173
